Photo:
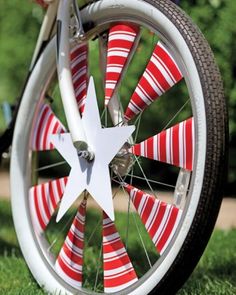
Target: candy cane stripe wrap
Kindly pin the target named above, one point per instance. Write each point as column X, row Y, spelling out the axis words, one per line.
column 174, row 146
column 161, row 74
column 46, row 124
column 69, row 263
column 118, row 270
column 160, row 219
column 44, row 199
column 79, row 70
column 120, row 43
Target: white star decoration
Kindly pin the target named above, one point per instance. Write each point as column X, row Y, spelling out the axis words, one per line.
column 91, row 176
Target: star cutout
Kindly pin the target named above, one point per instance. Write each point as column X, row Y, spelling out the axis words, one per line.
column 92, row 176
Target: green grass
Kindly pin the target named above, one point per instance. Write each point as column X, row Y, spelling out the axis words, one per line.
column 215, row 273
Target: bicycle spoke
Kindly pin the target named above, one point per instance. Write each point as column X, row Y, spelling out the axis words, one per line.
column 50, row 166
column 152, row 181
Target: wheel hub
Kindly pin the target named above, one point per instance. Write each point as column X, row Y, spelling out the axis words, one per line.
column 123, row 161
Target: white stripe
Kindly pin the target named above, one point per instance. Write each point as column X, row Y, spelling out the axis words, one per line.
column 152, row 216
column 111, row 238
column 74, row 248
column 168, row 153
column 114, row 253
column 155, row 148
column 114, row 69
column 141, row 94
column 134, row 108
column 118, row 49
column 121, row 37
column 184, row 143
column 117, row 53
column 142, row 148
column 110, row 85
column 181, row 155
column 118, row 271
column 106, row 221
column 122, row 32
column 193, row 141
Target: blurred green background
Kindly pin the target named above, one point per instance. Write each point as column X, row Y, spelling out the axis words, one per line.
column 20, row 22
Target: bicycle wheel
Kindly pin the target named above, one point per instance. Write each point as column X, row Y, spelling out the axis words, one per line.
column 148, row 50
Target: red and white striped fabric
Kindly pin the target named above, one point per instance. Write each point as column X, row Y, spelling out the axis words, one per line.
column 120, row 42
column 46, row 124
column 174, row 146
column 160, row 219
column 118, row 270
column 79, row 68
column 69, row 263
column 160, row 74
column 43, row 199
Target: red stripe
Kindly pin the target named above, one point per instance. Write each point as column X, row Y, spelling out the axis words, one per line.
column 158, row 76
column 162, row 144
column 167, row 59
column 68, row 271
column 51, row 193
column 37, row 209
column 168, row 230
column 73, row 256
column 45, row 137
column 175, row 145
column 40, row 128
column 189, row 147
column 118, row 262
column 45, row 202
column 120, row 280
column 158, row 220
